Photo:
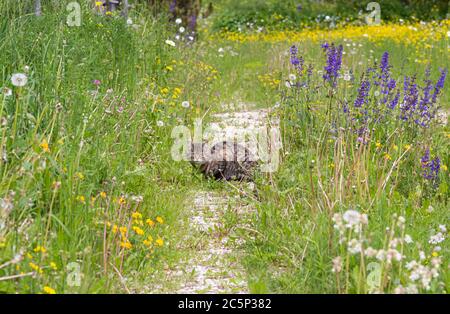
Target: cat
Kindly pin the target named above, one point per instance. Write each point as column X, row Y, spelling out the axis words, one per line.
column 224, row 161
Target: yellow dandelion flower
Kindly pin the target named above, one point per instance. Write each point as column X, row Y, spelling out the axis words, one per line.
column 123, row 230
column 49, row 290
column 81, row 199
column 138, row 230
column 159, row 242
column 147, row 242
column 160, row 220
column 150, row 222
column 121, row 200
column 44, row 145
column 126, row 244
column 35, row 267
column 39, row 248
column 136, row 215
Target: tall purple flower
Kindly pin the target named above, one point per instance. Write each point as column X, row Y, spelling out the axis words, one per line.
column 296, row 60
column 384, row 79
column 173, row 6
column 334, row 62
column 439, row 85
column 430, row 168
column 363, row 93
column 410, row 98
column 424, row 109
column 393, row 103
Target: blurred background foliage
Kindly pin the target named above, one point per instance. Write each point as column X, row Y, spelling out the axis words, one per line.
column 235, row 14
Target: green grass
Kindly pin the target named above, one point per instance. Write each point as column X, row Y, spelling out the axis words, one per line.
column 104, row 142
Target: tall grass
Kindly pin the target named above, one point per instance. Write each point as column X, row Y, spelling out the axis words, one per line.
column 82, row 150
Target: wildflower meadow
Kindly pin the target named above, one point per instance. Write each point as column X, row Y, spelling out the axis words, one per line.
column 349, row 106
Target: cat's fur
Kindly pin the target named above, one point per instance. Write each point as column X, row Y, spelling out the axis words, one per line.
column 224, row 161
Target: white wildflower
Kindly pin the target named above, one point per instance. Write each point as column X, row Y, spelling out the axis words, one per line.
column 437, row 238
column 19, row 79
column 7, row 91
column 182, row 29
column 160, row 123
column 170, row 43
column 185, row 104
column 337, row 264
column 354, row 246
column 408, row 239
column 381, row 255
column 422, row 255
column 178, row 21
column 393, row 255
column 371, row 252
column 292, row 77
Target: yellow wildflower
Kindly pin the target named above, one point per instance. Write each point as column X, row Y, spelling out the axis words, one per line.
column 160, row 220
column 435, row 254
column 44, row 146
column 138, row 230
column 53, row 266
column 126, row 244
column 123, row 230
column 39, row 248
column 35, row 267
column 121, row 200
column 136, row 215
column 49, row 290
column 159, row 242
column 103, row 194
column 79, row 175
column 81, row 199
column 169, row 68
column 150, row 222
column 98, row 3
column 444, row 168
column 407, row 146
column 387, row 156
column 147, row 242
column 378, row 145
